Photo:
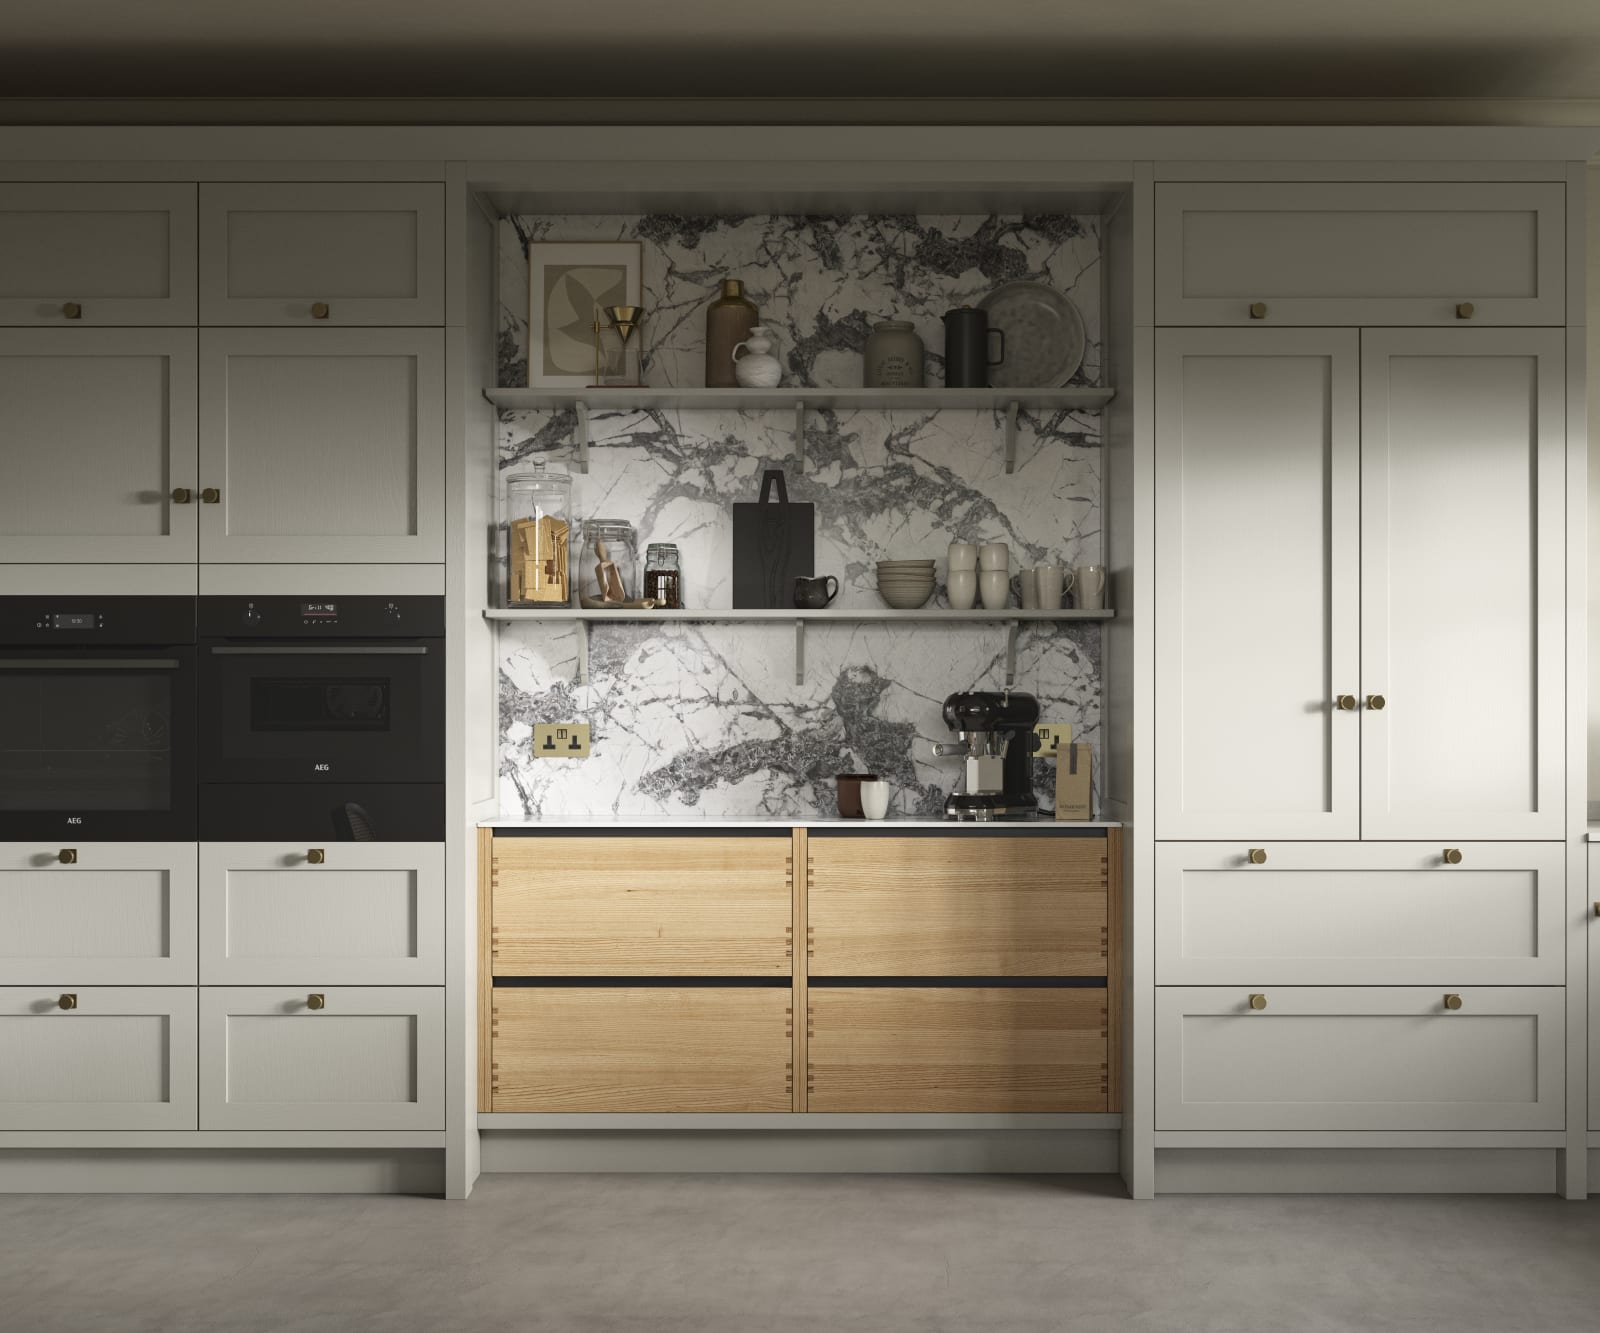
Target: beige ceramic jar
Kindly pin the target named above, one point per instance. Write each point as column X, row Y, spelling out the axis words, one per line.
column 893, row 356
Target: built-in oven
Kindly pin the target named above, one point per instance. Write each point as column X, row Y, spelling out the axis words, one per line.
column 322, row 717
column 97, row 718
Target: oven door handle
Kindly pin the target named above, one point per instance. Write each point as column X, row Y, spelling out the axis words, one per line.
column 321, row 650
column 90, row 664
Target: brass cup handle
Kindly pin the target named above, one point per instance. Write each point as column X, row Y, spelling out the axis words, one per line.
column 1452, row 856
column 1464, row 310
column 1376, row 702
column 319, row 310
column 68, row 1001
column 182, row 495
column 316, row 1000
column 1258, row 310
column 1346, row 703
column 1258, row 1002
column 316, row 856
column 211, row 495
column 68, row 856
column 1258, row 856
column 72, row 310
column 1452, row 1001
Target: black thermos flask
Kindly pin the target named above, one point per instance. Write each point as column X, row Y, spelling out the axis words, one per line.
column 966, row 348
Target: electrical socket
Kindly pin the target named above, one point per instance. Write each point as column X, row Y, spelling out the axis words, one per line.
column 560, row 740
column 1053, row 738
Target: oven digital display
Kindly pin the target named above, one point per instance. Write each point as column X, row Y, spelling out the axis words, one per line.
column 319, row 610
column 73, row 620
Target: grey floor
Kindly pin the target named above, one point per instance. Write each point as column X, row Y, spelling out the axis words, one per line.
column 702, row 1254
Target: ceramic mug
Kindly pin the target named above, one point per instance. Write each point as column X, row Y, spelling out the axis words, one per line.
column 874, row 798
column 1029, row 589
column 962, row 586
column 994, row 555
column 850, row 785
column 994, row 585
column 1050, row 579
column 1089, row 587
column 814, row 594
column 963, row 555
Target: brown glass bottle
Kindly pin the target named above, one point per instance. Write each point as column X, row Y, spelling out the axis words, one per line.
column 729, row 320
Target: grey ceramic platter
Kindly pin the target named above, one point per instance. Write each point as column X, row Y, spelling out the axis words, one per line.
column 1044, row 336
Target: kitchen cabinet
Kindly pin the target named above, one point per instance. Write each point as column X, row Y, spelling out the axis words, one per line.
column 642, row 1049
column 347, row 914
column 1592, row 918
column 98, row 914
column 1360, row 914
column 1360, row 1058
column 109, row 253
column 1257, row 583
column 322, row 446
column 346, row 1057
column 956, row 1049
column 643, row 906
column 1360, row 253
column 97, row 1057
column 98, row 437
column 1463, row 453
column 322, row 254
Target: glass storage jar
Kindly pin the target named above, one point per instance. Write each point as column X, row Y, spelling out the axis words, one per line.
column 538, row 538
column 663, row 575
column 608, row 578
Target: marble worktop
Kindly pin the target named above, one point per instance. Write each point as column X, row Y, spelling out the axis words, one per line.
column 891, row 825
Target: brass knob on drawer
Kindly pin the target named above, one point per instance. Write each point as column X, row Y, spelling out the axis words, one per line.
column 68, row 1001
column 316, row 1000
column 1452, row 856
column 319, row 310
column 1452, row 1001
column 1258, row 1002
column 1376, row 702
column 1258, row 310
column 1258, row 856
column 68, row 856
column 1346, row 703
column 316, row 856
column 211, row 495
column 1464, row 310
column 182, row 495
column 72, row 310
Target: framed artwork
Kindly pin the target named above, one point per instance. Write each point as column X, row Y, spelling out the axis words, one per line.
column 567, row 280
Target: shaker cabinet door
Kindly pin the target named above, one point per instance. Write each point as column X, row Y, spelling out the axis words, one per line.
column 1257, row 577
column 1463, row 541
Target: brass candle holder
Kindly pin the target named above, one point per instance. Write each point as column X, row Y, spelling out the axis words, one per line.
column 622, row 320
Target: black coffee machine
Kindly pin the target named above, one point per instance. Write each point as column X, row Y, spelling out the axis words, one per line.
column 998, row 743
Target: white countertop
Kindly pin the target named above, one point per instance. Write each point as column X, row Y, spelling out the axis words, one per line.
column 891, row 825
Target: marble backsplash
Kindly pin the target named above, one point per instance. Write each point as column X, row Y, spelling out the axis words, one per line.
column 707, row 720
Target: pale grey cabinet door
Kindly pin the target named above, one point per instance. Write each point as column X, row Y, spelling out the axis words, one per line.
column 119, row 914
column 98, row 441
column 322, row 254
column 117, row 1058
column 322, row 446
column 107, row 253
column 1594, row 987
column 349, row 1057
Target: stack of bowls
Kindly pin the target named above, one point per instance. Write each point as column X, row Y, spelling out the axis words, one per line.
column 905, row 584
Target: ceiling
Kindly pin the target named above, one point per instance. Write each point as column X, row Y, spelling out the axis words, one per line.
column 800, row 48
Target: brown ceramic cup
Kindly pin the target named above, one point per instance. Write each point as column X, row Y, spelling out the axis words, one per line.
column 850, row 794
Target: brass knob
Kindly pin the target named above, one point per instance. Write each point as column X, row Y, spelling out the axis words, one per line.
column 1258, row 1002
column 1258, row 856
column 1346, row 702
column 182, row 495
column 72, row 310
column 1258, row 310
column 1464, row 310
column 68, row 856
column 1452, row 856
column 1376, row 702
column 319, row 310
column 1597, row 909
column 211, row 495
column 1452, row 1001
column 316, row 1000
column 67, row 1001
column 316, row 856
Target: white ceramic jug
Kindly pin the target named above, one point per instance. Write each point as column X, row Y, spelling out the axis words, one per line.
column 757, row 368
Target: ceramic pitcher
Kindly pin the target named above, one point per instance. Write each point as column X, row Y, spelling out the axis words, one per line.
column 757, row 368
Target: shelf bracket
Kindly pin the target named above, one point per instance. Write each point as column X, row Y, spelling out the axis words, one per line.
column 583, row 652
column 800, row 437
column 583, row 444
column 799, row 652
column 1011, row 437
column 1012, row 628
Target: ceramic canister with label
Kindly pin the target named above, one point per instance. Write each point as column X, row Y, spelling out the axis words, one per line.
column 893, row 356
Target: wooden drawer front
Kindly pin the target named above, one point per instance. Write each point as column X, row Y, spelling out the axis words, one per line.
column 648, row 1048
column 1346, row 253
column 122, row 1058
column 318, row 255
column 120, row 253
column 1360, row 914
column 122, row 915
column 684, row 907
column 904, row 1049
column 371, row 1058
column 370, row 914
column 1359, row 1058
column 959, row 906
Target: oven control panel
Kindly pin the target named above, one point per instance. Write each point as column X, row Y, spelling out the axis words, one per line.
column 318, row 617
column 96, row 622
column 72, row 621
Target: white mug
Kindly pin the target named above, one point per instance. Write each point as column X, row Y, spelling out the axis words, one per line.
column 1030, row 589
column 1089, row 584
column 875, row 798
column 994, row 555
column 962, row 585
column 995, row 586
column 1049, row 578
column 963, row 555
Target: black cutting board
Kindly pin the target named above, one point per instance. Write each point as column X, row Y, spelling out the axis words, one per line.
column 774, row 543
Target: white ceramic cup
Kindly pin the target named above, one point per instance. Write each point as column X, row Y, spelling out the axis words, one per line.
column 963, row 555
column 875, row 799
column 995, row 587
column 994, row 555
column 1049, row 580
column 962, row 586
column 1030, row 589
column 1089, row 583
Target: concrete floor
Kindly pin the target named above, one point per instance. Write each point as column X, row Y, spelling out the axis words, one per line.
column 879, row 1254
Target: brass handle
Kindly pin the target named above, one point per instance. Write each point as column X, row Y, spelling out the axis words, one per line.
column 68, row 1001
column 1258, row 310
column 319, row 310
column 1464, row 310
column 316, row 1000
column 1597, row 909
column 1376, row 702
column 1452, row 856
column 1258, row 1002
column 1258, row 856
column 1346, row 702
column 1452, row 1001
column 316, row 856
column 72, row 310
column 211, row 495
column 182, row 495
column 68, row 856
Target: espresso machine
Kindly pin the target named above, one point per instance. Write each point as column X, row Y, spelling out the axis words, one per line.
column 997, row 742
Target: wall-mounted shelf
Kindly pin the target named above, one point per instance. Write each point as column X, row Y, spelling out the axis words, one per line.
column 799, row 401
column 1011, row 618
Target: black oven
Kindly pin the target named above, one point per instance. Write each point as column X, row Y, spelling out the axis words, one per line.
column 97, row 718
column 322, row 717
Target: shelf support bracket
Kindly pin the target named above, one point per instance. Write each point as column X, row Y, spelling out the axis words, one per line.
column 799, row 652
column 1012, row 627
column 800, row 437
column 583, row 652
column 1011, row 437
column 583, row 447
